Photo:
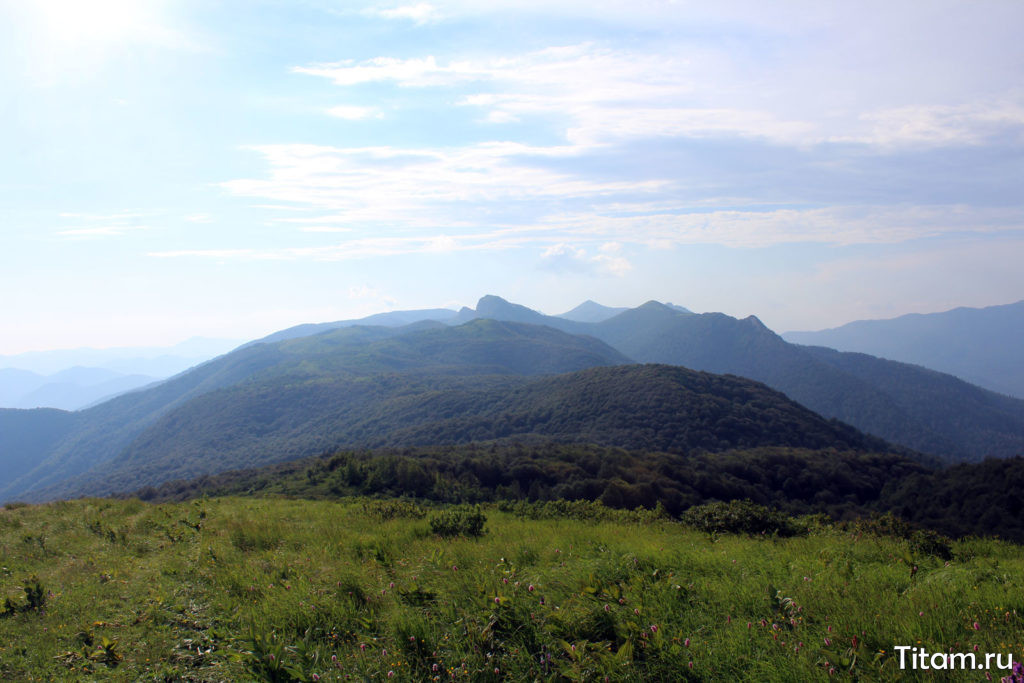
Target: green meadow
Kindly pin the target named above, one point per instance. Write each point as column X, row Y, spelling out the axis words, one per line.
column 360, row 589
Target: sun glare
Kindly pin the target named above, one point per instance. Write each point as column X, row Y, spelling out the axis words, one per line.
column 72, row 22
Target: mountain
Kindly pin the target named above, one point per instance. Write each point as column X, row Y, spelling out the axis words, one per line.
column 507, row 373
column 918, row 408
column 158, row 362
column 26, row 435
column 591, row 312
column 980, row 345
column 15, row 383
column 641, row 407
column 70, row 389
column 483, row 347
column 389, row 319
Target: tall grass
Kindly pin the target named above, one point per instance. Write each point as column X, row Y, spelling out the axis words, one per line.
column 241, row 589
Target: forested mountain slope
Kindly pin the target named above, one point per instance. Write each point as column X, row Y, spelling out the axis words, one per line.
column 909, row 405
column 642, row 407
column 483, row 347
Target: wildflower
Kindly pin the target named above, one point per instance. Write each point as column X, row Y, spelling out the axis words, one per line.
column 391, row 585
column 977, row 626
column 530, row 588
column 434, row 667
column 391, row 674
column 497, row 671
column 828, row 642
column 920, row 614
column 690, row 664
column 454, row 568
column 686, row 642
column 636, row 610
column 412, row 639
column 383, row 653
column 607, row 608
column 749, row 624
column 497, row 601
column 654, row 628
column 315, row 677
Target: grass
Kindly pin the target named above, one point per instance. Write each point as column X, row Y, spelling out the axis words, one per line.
column 275, row 589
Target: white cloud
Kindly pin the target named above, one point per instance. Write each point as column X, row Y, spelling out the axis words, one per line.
column 88, row 225
column 419, row 13
column 601, row 94
column 100, row 230
column 419, row 187
column 563, row 257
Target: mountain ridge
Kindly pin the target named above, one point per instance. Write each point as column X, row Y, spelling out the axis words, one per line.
column 979, row 345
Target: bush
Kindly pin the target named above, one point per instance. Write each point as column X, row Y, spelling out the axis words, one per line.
column 923, row 541
column 464, row 520
column 738, row 517
column 393, row 509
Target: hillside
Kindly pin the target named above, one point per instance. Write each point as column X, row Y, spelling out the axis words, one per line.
column 244, row 589
column 326, row 361
column 431, row 382
column 979, row 345
column 655, row 408
column 909, row 405
column 389, row 319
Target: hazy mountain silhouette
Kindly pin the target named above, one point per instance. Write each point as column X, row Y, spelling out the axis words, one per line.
column 984, row 346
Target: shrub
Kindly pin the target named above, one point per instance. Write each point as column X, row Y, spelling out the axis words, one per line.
column 923, row 541
column 393, row 509
column 738, row 517
column 464, row 520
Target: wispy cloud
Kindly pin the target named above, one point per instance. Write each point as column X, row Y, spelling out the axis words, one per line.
column 563, row 257
column 419, row 13
column 419, row 186
column 95, row 225
column 607, row 94
column 610, row 101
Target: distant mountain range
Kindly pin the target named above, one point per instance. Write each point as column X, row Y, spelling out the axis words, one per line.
column 70, row 389
column 498, row 372
column 922, row 409
column 73, row 379
column 984, row 346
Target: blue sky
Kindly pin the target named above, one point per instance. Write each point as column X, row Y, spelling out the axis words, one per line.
column 227, row 169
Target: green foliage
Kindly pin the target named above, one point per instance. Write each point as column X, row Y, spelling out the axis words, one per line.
column 462, row 520
column 979, row 499
column 393, row 509
column 739, row 517
column 35, row 599
column 282, row 417
column 553, row 591
column 922, row 541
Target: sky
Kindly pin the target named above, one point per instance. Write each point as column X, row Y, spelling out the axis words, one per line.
column 228, row 168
